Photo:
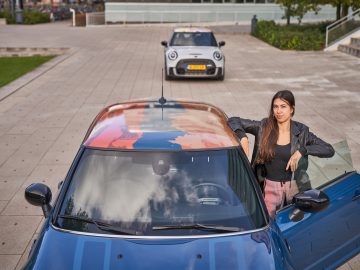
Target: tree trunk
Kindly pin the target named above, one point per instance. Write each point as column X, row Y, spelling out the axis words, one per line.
column 287, row 13
column 344, row 10
column 338, row 9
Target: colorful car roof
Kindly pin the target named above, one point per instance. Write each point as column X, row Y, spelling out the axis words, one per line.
column 192, row 29
column 148, row 125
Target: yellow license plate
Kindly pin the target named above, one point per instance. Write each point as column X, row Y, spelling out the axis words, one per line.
column 196, row 67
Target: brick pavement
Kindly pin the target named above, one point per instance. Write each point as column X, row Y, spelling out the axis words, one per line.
column 42, row 124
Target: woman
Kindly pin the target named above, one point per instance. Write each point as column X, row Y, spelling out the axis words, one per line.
column 281, row 148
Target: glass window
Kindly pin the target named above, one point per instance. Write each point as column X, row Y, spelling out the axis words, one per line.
column 193, row 39
column 321, row 171
column 136, row 191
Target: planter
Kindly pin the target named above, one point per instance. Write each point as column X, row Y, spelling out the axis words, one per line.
column 2, row 21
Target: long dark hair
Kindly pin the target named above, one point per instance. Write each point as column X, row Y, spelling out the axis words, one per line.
column 271, row 129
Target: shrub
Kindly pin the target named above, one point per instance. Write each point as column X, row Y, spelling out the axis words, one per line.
column 34, row 17
column 29, row 17
column 8, row 16
column 292, row 37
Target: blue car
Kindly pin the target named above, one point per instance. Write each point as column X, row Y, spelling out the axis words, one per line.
column 166, row 185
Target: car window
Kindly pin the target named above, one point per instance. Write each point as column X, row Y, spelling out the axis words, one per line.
column 193, row 39
column 139, row 190
column 320, row 172
column 323, row 170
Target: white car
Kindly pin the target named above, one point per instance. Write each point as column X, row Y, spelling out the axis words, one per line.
column 194, row 52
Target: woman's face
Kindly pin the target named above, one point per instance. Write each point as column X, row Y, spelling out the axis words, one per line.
column 282, row 110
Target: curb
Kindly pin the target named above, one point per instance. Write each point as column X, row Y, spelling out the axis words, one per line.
column 27, row 78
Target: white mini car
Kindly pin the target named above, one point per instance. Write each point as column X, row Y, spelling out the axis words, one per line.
column 194, row 52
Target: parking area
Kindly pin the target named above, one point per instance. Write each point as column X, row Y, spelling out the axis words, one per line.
column 43, row 123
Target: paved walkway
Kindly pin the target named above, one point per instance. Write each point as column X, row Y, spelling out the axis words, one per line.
column 43, row 123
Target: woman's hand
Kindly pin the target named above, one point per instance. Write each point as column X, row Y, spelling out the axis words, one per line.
column 293, row 161
column 244, row 142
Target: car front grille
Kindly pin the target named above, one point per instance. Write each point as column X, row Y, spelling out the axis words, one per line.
column 182, row 67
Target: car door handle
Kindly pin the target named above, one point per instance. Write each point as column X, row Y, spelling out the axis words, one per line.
column 356, row 195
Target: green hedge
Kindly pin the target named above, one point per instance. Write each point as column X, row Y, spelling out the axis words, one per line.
column 29, row 17
column 9, row 18
column 292, row 37
column 34, row 17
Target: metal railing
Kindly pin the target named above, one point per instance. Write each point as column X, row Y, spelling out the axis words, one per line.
column 95, row 18
column 342, row 27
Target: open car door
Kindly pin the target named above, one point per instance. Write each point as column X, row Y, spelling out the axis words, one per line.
column 322, row 228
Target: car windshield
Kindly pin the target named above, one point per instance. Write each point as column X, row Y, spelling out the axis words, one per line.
column 193, row 39
column 161, row 193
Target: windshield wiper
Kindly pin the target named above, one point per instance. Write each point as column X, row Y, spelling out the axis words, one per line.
column 197, row 226
column 102, row 225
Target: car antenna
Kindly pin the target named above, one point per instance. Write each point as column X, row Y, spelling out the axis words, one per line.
column 162, row 100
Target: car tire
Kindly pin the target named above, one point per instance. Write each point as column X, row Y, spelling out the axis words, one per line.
column 221, row 77
column 167, row 76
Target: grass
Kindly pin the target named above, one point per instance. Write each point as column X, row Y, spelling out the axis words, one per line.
column 12, row 68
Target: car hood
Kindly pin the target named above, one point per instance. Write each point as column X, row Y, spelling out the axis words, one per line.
column 194, row 51
column 63, row 250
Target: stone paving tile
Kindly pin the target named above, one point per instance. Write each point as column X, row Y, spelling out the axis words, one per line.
column 2, row 205
column 6, row 154
column 24, row 257
column 9, row 186
column 24, row 127
column 46, row 134
column 12, row 141
column 9, row 262
column 10, row 103
column 24, row 160
column 18, row 206
column 15, row 234
column 58, row 157
column 50, row 175
column 355, row 263
column 345, row 267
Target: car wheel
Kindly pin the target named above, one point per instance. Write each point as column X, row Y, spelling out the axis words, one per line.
column 221, row 77
column 167, row 76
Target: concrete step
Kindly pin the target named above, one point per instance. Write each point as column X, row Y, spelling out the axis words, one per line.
column 355, row 42
column 350, row 49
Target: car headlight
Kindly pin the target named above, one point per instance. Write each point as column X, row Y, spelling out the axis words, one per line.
column 217, row 56
column 172, row 55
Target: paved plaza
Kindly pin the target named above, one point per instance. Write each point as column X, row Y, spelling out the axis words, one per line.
column 43, row 123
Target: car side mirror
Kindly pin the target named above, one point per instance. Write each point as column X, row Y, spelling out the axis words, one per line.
column 221, row 43
column 164, row 43
column 39, row 195
column 312, row 200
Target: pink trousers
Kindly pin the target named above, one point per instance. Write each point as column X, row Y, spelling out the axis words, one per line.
column 274, row 192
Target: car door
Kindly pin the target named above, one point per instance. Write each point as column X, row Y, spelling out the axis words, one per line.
column 326, row 238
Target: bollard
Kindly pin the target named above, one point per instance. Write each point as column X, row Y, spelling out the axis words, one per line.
column 19, row 16
column 253, row 24
column 73, row 16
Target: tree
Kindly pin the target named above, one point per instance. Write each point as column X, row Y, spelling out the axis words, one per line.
column 355, row 5
column 342, row 6
column 297, row 8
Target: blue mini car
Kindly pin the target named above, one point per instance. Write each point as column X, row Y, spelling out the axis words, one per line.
column 159, row 185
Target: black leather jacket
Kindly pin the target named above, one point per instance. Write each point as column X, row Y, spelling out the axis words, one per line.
column 301, row 139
